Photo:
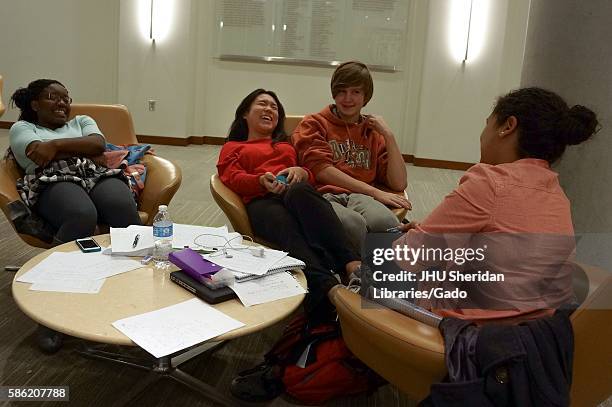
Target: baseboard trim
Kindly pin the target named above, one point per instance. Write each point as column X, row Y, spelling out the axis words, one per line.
column 169, row 141
column 5, row 125
column 408, row 158
column 449, row 165
column 179, row 141
column 215, row 141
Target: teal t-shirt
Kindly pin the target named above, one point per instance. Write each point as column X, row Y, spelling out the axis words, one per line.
column 22, row 133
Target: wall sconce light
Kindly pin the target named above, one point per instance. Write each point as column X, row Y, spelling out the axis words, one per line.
column 467, row 40
column 155, row 18
column 151, row 23
column 151, row 37
column 467, row 26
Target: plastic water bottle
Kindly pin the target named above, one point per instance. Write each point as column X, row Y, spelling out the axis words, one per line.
column 162, row 233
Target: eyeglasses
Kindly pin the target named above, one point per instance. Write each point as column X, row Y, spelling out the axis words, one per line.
column 54, row 97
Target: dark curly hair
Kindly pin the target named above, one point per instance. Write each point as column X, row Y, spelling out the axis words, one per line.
column 23, row 97
column 239, row 130
column 546, row 124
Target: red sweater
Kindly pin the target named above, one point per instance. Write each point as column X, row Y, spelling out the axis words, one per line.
column 322, row 140
column 241, row 163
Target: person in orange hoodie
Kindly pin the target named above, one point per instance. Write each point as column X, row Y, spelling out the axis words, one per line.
column 349, row 153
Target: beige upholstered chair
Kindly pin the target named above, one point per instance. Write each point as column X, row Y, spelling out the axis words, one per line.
column 232, row 205
column 163, row 177
column 2, row 107
column 410, row 354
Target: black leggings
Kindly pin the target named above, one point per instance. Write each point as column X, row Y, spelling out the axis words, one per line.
column 74, row 213
column 303, row 223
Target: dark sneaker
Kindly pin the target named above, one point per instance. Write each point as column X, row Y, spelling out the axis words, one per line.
column 261, row 383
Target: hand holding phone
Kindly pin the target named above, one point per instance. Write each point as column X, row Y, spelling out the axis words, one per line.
column 88, row 245
column 282, row 179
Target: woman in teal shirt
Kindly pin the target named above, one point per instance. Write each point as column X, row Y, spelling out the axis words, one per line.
column 44, row 135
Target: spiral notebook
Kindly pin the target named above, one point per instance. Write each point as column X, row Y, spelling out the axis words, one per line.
column 285, row 264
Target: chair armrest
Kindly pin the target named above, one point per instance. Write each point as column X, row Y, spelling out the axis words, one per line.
column 592, row 369
column 162, row 182
column 418, row 335
column 407, row 353
column 9, row 174
column 231, row 204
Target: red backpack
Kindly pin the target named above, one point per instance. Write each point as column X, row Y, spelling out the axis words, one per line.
column 317, row 365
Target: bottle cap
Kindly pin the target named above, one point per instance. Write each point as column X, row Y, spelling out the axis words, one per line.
column 163, row 207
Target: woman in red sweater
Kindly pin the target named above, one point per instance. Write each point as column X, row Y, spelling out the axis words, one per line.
column 288, row 212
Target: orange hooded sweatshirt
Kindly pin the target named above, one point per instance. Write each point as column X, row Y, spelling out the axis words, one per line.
column 323, row 139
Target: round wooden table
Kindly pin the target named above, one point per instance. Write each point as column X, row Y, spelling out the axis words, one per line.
column 89, row 316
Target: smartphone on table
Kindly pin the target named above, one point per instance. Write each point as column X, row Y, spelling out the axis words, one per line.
column 88, row 245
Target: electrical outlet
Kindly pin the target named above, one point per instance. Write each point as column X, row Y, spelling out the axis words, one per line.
column 152, row 104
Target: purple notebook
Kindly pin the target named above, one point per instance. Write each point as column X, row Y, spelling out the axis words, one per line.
column 193, row 264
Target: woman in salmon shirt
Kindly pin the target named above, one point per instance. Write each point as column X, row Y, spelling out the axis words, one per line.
column 512, row 206
column 291, row 214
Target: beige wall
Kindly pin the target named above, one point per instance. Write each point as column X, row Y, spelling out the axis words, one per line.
column 73, row 41
column 161, row 71
column 200, row 93
column 435, row 106
column 575, row 61
column 456, row 98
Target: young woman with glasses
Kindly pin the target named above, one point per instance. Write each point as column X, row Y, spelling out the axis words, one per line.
column 45, row 140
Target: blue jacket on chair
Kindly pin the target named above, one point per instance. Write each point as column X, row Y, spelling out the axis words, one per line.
column 529, row 364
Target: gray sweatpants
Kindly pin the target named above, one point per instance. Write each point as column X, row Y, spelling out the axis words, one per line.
column 361, row 214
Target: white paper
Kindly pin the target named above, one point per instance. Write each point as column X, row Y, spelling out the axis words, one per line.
column 245, row 262
column 203, row 237
column 78, row 266
column 267, row 289
column 69, row 286
column 176, row 327
column 122, row 240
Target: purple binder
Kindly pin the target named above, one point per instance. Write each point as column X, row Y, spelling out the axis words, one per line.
column 192, row 263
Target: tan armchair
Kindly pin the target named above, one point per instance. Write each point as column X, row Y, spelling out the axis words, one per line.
column 232, row 205
column 163, row 177
column 410, row 354
column 2, row 107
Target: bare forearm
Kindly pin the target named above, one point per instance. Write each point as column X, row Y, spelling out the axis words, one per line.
column 333, row 176
column 88, row 146
column 396, row 168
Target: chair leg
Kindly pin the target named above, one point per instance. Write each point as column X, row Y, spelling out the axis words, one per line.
column 12, row 269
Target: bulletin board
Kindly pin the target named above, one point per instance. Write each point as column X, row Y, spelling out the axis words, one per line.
column 313, row 32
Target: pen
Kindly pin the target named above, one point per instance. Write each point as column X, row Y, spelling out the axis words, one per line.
column 135, row 241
